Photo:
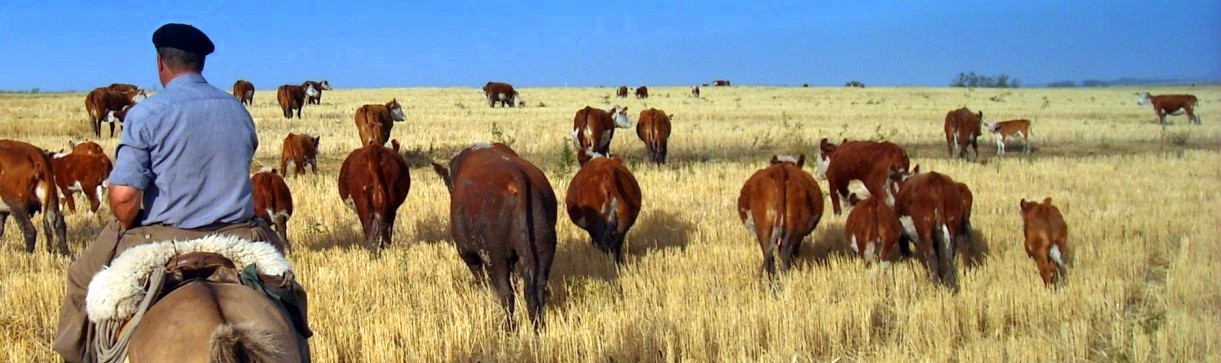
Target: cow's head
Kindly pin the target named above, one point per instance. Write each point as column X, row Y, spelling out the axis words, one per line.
column 991, row 126
column 620, row 116
column 396, row 111
column 517, row 99
column 797, row 161
column 325, row 85
column 1142, row 98
column 310, row 90
column 825, row 149
column 138, row 96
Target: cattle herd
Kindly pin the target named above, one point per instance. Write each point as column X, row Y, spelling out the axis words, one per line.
column 503, row 209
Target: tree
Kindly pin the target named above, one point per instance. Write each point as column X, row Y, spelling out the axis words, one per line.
column 1062, row 84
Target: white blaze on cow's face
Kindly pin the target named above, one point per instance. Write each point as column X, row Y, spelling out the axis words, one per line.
column 139, row 97
column 396, row 112
column 821, row 163
column 1142, row 98
column 622, row 120
column 325, row 85
column 311, row 91
column 991, row 126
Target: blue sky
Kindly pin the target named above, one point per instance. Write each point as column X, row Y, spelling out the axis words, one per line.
column 57, row 45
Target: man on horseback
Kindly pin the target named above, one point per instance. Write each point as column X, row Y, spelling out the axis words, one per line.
column 181, row 173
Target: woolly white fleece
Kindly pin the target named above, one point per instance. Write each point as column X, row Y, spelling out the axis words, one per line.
column 116, row 291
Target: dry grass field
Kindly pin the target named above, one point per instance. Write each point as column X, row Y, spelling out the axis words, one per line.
column 1141, row 202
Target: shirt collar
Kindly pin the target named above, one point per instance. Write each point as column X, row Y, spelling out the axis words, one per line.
column 184, row 79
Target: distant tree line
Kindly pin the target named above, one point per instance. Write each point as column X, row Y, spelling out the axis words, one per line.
column 1085, row 83
column 972, row 80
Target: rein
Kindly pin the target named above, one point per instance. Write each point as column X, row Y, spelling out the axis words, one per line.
column 110, row 338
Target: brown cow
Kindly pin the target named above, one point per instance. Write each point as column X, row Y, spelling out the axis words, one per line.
column 374, row 182
column 931, row 207
column 593, row 129
column 101, row 102
column 695, row 91
column 85, row 171
column 642, row 92
column 962, row 129
column 273, row 201
column 500, row 92
column 1046, row 236
column 781, row 204
column 872, row 228
column 654, row 129
column 316, row 99
column 373, row 122
column 621, row 92
column 1171, row 105
column 244, row 91
column 292, row 97
column 503, row 207
column 867, row 161
column 720, row 83
column 604, row 200
column 27, row 186
column 301, row 149
column 1010, row 129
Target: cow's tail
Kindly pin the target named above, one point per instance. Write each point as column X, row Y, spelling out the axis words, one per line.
column 377, row 197
column 779, row 205
column 1056, row 257
column 48, row 195
column 232, row 343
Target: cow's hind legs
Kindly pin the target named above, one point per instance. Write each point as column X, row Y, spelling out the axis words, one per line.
column 3, row 220
column 27, row 229
column 504, row 291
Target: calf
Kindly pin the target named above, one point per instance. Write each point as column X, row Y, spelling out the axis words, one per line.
column 604, row 200
column 695, row 91
column 654, row 130
column 593, row 129
column 374, row 181
column 872, row 229
column 316, row 99
column 931, row 207
column 621, row 92
column 83, row 170
column 292, row 97
column 781, row 204
column 962, row 129
column 374, row 122
column 642, row 92
column 503, row 207
column 273, row 201
column 867, row 161
column 300, row 149
column 244, row 91
column 27, row 186
column 1010, row 129
column 1171, row 105
column 1046, row 236
column 101, row 102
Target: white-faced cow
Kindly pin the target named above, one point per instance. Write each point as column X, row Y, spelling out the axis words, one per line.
column 84, row 170
column 27, row 186
column 604, row 200
column 780, row 204
column 931, row 209
column 243, row 90
column 374, row 121
column 962, row 129
column 1171, row 105
column 654, row 129
column 1011, row 129
column 593, row 129
column 301, row 150
column 373, row 182
column 315, row 99
column 292, row 97
column 695, row 91
column 500, row 92
column 502, row 208
column 1046, row 238
column 273, row 201
column 867, row 161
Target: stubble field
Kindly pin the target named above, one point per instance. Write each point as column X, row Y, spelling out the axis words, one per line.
column 1141, row 202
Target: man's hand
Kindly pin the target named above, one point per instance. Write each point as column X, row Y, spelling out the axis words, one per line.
column 125, row 204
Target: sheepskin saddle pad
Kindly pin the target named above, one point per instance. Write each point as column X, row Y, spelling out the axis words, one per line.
column 116, row 291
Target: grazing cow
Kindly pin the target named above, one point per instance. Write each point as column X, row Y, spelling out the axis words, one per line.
column 604, row 200
column 593, row 129
column 867, row 161
column 781, row 204
column 1171, row 105
column 316, row 99
column 500, row 92
column 621, row 92
column 27, row 186
column 720, row 83
column 374, row 121
column 502, row 207
column 101, row 102
column 1046, row 235
column 244, row 91
column 654, row 129
column 695, row 91
column 931, row 209
column 374, row 182
column 273, row 201
column 292, row 97
column 301, row 149
column 1010, row 129
column 84, row 170
column 642, row 92
column 872, row 229
column 962, row 129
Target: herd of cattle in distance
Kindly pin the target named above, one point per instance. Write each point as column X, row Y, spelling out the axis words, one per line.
column 503, row 208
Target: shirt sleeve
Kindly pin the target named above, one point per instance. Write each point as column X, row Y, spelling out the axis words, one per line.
column 133, row 158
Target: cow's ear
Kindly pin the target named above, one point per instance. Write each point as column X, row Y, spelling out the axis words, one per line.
column 395, row 144
column 774, row 160
column 1024, row 205
column 1047, row 201
column 444, row 173
column 670, row 116
column 916, row 170
column 801, row 160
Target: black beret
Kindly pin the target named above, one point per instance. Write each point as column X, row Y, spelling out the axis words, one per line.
column 183, row 36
